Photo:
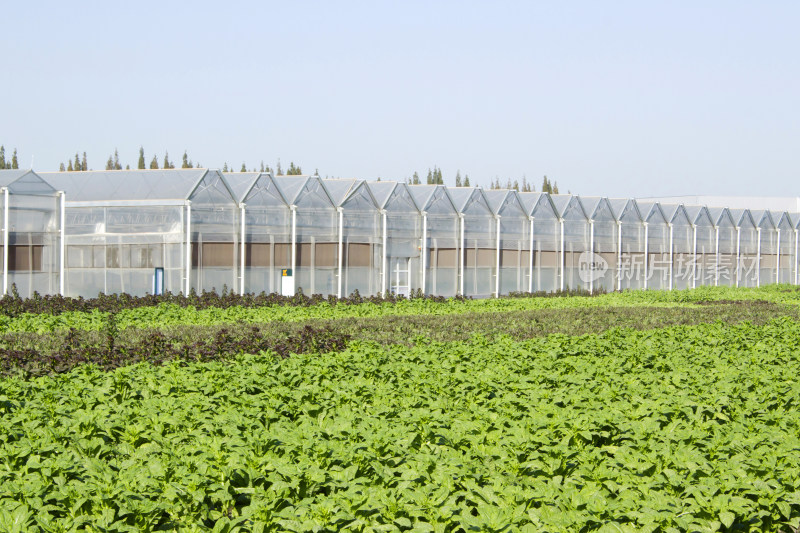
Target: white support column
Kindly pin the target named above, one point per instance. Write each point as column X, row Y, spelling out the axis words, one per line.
column 341, row 251
column 716, row 257
column 670, row 256
column 5, row 240
column 293, row 251
column 694, row 256
column 758, row 257
column 384, row 273
column 461, row 258
column 795, row 256
column 591, row 257
column 738, row 260
column 561, row 281
column 530, row 260
column 63, row 244
column 188, row 286
column 241, row 251
column 424, row 249
column 778, row 258
column 619, row 256
column 497, row 266
column 646, row 253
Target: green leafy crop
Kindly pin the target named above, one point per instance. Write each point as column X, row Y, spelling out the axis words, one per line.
column 690, row 428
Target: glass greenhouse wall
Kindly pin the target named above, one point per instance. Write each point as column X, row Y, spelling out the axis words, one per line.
column 515, row 238
column 360, row 242
column 705, row 255
column 122, row 225
column 265, row 223
column 601, row 266
column 315, row 257
column 30, row 250
column 478, row 260
column 785, row 247
column 574, row 242
column 747, row 245
column 546, row 244
column 727, row 256
column 441, row 239
column 768, row 247
column 401, row 224
column 630, row 244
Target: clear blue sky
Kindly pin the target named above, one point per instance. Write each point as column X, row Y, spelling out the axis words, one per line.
column 616, row 99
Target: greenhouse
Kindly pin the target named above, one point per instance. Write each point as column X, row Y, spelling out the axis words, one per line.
column 401, row 234
column 265, row 231
column 603, row 244
column 630, row 243
column 767, row 247
column 747, row 248
column 120, row 226
column 785, row 260
column 727, row 252
column 440, row 239
column 514, row 241
column 575, row 239
column 478, row 248
column 31, row 247
column 359, row 254
column 546, row 243
column 705, row 245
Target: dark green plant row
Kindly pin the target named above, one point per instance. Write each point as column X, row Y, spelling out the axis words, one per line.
column 13, row 305
column 35, row 354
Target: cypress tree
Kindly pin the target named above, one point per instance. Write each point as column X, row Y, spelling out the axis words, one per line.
column 458, row 178
column 61, row 167
column 555, row 187
column 278, row 169
column 14, row 162
column 225, row 167
column 244, row 168
column 84, row 165
column 186, row 163
column 110, row 163
column 117, row 166
column 466, row 181
column 154, row 163
column 167, row 164
column 141, row 158
column 429, row 179
column 77, row 165
column 69, row 167
column 2, row 157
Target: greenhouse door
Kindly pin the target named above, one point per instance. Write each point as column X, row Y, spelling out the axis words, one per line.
column 399, row 276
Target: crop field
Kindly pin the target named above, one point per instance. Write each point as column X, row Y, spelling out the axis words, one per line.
column 642, row 411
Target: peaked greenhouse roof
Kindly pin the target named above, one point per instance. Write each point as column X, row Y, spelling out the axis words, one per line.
column 464, row 198
column 385, row 191
column 500, row 199
column 721, row 214
column 138, row 185
column 741, row 216
column 241, row 183
column 593, row 205
column 621, row 206
column 293, row 188
column 567, row 202
column 25, row 182
column 534, row 202
column 428, row 196
column 698, row 213
column 342, row 190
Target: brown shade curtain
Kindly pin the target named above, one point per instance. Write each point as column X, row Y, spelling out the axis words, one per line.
column 23, row 257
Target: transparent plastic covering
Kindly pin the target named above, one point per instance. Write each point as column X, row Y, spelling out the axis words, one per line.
column 630, row 263
column 33, row 233
column 705, row 245
column 403, row 232
column 442, row 241
column 480, row 241
column 768, row 238
column 785, row 259
column 515, row 233
column 316, row 253
column 361, row 236
column 601, row 266
column 575, row 241
column 726, row 246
